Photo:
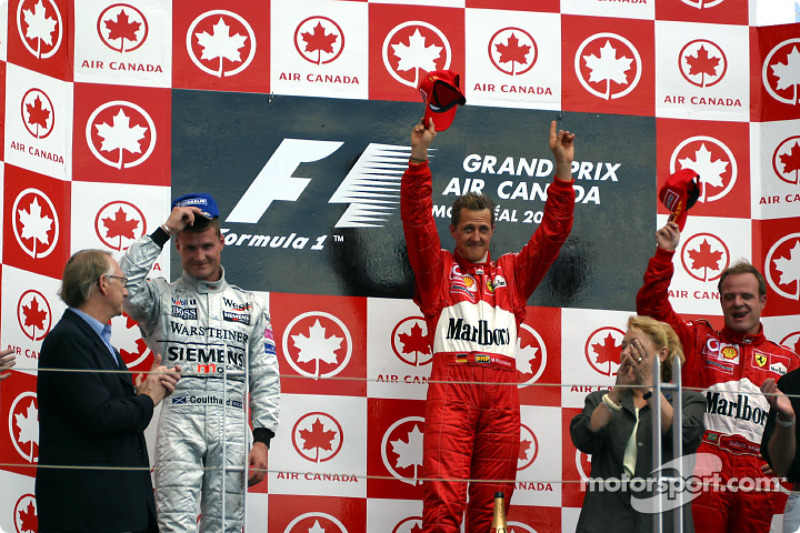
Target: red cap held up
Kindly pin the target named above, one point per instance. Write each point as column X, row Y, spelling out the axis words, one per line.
column 679, row 193
column 441, row 93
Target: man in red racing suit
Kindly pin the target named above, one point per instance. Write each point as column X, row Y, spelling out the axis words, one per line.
column 731, row 365
column 473, row 307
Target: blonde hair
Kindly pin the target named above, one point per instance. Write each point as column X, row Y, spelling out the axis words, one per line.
column 662, row 336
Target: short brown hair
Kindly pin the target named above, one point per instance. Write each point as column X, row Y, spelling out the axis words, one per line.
column 202, row 224
column 474, row 202
column 662, row 336
column 744, row 267
column 81, row 272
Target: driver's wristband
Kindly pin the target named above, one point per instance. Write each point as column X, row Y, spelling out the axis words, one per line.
column 160, row 236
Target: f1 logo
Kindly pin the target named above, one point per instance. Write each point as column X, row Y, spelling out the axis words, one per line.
column 371, row 187
column 275, row 181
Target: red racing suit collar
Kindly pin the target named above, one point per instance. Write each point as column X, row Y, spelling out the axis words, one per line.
column 469, row 266
column 735, row 337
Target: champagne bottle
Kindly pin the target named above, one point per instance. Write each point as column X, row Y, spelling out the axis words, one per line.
column 499, row 524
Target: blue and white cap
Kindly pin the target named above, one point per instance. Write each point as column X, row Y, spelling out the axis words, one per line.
column 201, row 200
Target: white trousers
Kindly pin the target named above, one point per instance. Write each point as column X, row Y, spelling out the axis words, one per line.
column 791, row 515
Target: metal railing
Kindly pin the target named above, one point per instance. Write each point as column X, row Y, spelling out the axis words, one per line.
column 677, row 445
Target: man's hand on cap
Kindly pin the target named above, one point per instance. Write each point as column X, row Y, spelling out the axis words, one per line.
column 180, row 217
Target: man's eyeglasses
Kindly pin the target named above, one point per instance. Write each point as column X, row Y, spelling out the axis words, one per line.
column 121, row 279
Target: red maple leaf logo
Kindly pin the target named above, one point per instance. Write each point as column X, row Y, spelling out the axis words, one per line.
column 702, row 63
column 607, row 352
column 791, row 161
column 415, row 341
column 319, row 40
column 416, row 529
column 122, row 27
column 317, row 437
column 120, row 225
column 37, row 115
column 136, row 354
column 29, row 520
column 33, row 315
column 703, row 257
column 512, row 51
column 524, row 446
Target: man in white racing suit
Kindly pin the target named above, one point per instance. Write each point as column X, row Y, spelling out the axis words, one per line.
column 219, row 335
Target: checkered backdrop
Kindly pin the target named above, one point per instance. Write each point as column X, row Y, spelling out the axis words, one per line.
column 296, row 116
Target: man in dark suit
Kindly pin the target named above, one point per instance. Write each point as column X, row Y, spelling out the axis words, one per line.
column 94, row 471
